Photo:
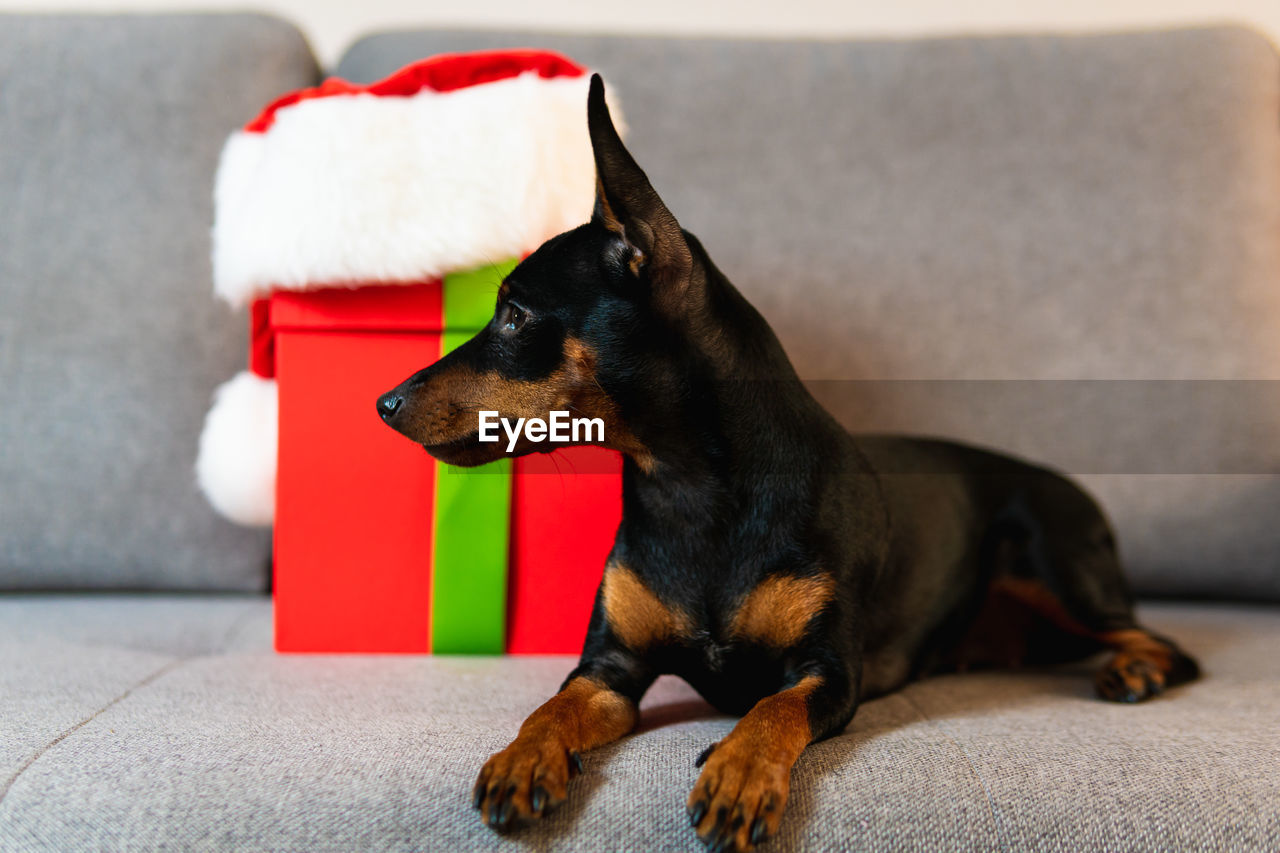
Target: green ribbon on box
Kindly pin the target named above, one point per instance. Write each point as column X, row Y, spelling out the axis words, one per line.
column 473, row 505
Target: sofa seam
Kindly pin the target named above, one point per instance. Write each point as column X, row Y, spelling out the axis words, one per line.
column 39, row 753
column 1001, row 832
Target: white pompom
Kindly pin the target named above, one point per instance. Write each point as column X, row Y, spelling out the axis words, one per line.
column 236, row 465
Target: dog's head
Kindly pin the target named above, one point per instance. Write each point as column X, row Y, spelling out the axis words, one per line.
column 577, row 324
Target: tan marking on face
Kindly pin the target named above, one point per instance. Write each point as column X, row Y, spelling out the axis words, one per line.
column 595, row 403
column 450, row 405
column 579, row 359
column 779, row 609
column 446, row 409
column 637, row 616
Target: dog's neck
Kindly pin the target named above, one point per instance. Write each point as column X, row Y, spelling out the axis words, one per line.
column 728, row 420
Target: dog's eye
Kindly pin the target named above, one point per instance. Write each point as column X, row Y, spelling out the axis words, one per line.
column 514, row 318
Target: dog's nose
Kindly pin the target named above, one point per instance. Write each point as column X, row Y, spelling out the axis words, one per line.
column 389, row 404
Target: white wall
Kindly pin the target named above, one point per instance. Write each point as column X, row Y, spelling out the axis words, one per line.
column 333, row 24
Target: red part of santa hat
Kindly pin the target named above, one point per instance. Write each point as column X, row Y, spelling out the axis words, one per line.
column 446, row 165
column 443, row 73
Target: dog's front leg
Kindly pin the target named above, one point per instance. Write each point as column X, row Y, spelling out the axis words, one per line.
column 739, row 798
column 532, row 774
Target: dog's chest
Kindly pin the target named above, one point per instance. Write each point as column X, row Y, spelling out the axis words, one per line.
column 773, row 611
column 739, row 648
column 714, row 653
column 731, row 641
column 732, row 675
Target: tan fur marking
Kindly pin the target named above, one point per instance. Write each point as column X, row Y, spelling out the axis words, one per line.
column 749, row 772
column 1142, row 666
column 1134, row 644
column 778, row 725
column 607, row 217
column 1000, row 636
column 450, row 412
column 610, row 221
column 635, row 614
column 533, row 773
column 580, row 362
column 778, row 611
column 579, row 354
column 1037, row 597
column 584, row 715
column 1129, row 641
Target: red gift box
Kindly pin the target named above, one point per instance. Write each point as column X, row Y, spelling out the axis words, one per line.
column 354, row 500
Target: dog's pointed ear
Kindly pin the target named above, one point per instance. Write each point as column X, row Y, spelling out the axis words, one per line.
column 626, row 202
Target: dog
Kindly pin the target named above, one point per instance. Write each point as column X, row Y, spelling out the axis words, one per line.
column 785, row 568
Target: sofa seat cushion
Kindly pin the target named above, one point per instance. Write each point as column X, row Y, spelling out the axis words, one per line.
column 169, row 723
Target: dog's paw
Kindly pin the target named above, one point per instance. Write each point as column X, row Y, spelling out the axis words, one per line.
column 1127, row 678
column 738, row 800
column 523, row 782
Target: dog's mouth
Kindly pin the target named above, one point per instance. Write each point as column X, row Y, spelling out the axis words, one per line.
column 467, row 451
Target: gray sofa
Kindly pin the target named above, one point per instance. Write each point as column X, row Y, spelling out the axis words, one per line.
column 1068, row 247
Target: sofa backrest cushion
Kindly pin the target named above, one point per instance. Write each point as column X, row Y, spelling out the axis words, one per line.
column 110, row 341
column 1036, row 243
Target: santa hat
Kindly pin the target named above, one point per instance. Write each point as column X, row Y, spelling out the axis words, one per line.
column 444, row 166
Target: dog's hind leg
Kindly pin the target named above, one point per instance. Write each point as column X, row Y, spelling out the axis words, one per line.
column 1143, row 665
column 1057, row 561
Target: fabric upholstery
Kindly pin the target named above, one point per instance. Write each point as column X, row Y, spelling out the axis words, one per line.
column 66, row 657
column 131, row 735
column 926, row 222
column 110, row 341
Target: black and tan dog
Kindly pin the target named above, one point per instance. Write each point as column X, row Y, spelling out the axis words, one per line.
column 784, row 568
